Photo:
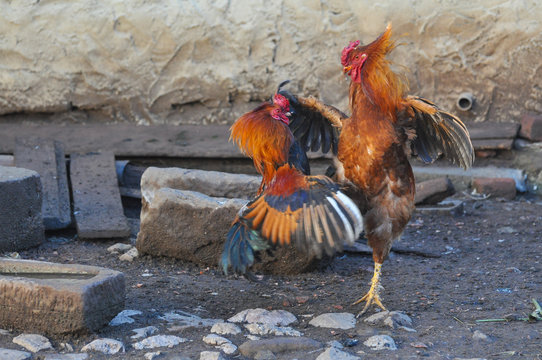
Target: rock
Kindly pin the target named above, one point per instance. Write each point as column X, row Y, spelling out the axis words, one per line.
column 67, row 297
column 33, row 342
column 8, row 354
column 21, row 222
column 124, row 317
column 211, row 355
column 228, row 348
column 380, row 342
column 4, row 332
column 480, row 336
column 152, row 355
column 335, row 321
column 333, row 353
column 159, row 341
column 507, row 230
column 266, row 329
column 119, row 247
column 470, row 359
column 262, row 316
column 185, row 320
column 335, row 344
column 496, row 187
column 105, row 346
column 279, row 345
column 213, row 339
column 130, row 255
column 144, row 332
column 531, row 127
column 66, row 357
column 433, row 191
column 264, row 355
column 225, row 328
column 392, row 319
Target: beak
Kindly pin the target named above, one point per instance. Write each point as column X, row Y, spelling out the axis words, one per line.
column 347, row 69
column 288, row 114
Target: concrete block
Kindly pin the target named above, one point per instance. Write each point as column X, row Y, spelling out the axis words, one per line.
column 97, row 205
column 433, row 191
column 21, row 223
column 531, row 127
column 56, row 298
column 46, row 157
column 192, row 226
column 496, row 187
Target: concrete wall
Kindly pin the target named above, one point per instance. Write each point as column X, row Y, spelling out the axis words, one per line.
column 208, row 61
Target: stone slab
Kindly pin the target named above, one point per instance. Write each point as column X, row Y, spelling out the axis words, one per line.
column 492, row 130
column 493, row 144
column 21, row 223
column 55, row 298
column 97, row 203
column 46, row 157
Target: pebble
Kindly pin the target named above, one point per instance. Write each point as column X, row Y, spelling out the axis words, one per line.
column 4, row 332
column 480, row 336
column 211, row 355
column 336, row 354
column 130, row 255
column 221, row 343
column 119, row 247
column 152, row 355
column 335, row 321
column 184, row 320
column 278, row 345
column 335, row 344
column 106, row 346
column 66, row 357
column 159, row 341
column 33, row 342
column 144, row 332
column 392, row 319
column 8, row 354
column 265, row 355
column 225, row 328
column 380, row 342
column 262, row 316
column 124, row 317
column 266, row 329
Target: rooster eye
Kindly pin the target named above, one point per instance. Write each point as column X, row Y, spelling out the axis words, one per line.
column 357, row 57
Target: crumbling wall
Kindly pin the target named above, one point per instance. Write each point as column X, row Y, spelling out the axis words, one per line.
column 208, row 61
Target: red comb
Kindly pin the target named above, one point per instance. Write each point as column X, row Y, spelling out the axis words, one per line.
column 346, row 51
column 281, row 101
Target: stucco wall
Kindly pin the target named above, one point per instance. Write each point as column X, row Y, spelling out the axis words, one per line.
column 209, row 61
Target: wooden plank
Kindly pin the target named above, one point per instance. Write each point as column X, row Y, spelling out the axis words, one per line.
column 96, row 197
column 46, row 157
column 492, row 130
column 493, row 144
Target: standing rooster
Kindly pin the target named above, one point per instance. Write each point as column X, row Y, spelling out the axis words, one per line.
column 291, row 206
column 374, row 143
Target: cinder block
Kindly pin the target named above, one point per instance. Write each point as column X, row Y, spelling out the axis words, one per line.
column 58, row 298
column 21, row 223
column 531, row 127
column 46, row 157
column 496, row 187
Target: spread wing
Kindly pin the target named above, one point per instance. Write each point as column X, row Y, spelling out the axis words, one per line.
column 309, row 212
column 314, row 124
column 438, row 133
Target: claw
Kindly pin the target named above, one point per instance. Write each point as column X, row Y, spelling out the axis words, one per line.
column 373, row 296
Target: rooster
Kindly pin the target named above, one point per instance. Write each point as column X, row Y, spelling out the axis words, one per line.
column 291, row 206
column 374, row 143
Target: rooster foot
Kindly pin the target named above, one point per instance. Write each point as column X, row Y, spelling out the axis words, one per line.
column 373, row 296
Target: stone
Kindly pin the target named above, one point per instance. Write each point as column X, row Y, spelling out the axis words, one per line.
column 225, row 328
column 143, row 332
column 335, row 321
column 130, row 255
column 55, row 298
column 97, row 205
column 380, row 342
column 279, row 345
column 124, row 317
column 66, row 357
column 47, row 158
column 152, row 355
column 392, row 319
column 433, row 191
column 21, row 223
column 495, row 187
column 333, row 353
column 264, row 355
column 228, row 348
column 119, row 248
column 266, row 329
column 531, row 127
column 184, row 320
column 263, row 316
column 9, row 354
column 210, row 183
column 33, row 342
column 159, row 341
column 213, row 339
column 480, row 336
column 211, row 355
column 105, row 346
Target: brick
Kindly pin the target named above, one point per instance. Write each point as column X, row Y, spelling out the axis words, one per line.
column 97, row 203
column 46, row 157
column 433, row 191
column 192, row 226
column 21, row 223
column 58, row 298
column 496, row 187
column 531, row 127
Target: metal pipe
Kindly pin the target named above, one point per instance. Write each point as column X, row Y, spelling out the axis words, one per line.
column 465, row 101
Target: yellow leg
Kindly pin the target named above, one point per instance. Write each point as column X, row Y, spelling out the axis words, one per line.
column 372, row 297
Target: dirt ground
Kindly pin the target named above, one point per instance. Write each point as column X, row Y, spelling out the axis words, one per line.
column 488, row 267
